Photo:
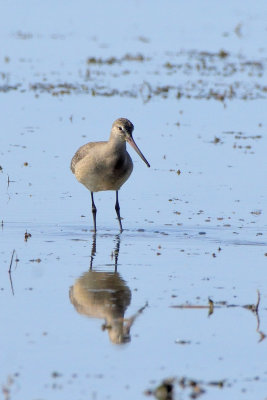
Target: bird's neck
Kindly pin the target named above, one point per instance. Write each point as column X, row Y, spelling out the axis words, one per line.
column 116, row 143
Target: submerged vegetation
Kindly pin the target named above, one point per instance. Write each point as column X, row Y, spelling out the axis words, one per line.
column 187, row 74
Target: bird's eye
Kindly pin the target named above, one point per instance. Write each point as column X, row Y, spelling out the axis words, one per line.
column 120, row 128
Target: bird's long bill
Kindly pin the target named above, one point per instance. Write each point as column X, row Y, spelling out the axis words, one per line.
column 136, row 148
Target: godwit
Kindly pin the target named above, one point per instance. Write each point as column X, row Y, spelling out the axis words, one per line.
column 106, row 165
column 100, row 294
column 105, row 295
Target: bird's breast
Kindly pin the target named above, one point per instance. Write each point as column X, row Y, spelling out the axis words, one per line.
column 120, row 168
column 104, row 173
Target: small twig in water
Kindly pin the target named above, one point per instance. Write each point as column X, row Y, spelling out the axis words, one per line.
column 258, row 301
column 10, row 272
column 256, row 311
column 11, row 261
column 252, row 307
column 211, row 307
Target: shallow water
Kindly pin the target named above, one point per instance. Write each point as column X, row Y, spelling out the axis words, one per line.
column 187, row 298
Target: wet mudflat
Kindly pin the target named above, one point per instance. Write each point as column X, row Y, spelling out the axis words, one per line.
column 176, row 306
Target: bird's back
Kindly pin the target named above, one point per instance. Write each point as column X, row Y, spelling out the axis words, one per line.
column 82, row 152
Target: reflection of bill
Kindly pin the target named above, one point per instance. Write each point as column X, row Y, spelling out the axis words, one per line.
column 103, row 295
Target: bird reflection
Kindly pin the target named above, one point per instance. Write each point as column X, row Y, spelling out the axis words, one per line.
column 104, row 295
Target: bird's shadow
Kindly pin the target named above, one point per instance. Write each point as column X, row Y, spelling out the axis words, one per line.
column 105, row 295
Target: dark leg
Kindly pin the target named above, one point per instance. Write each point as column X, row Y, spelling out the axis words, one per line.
column 93, row 210
column 116, row 251
column 117, row 208
column 93, row 251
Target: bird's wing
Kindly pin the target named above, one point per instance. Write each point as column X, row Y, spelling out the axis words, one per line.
column 80, row 154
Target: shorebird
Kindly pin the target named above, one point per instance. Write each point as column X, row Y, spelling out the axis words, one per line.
column 106, row 165
column 104, row 295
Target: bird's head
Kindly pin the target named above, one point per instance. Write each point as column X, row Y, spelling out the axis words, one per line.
column 122, row 129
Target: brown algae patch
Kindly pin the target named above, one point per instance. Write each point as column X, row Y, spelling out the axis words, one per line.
column 239, row 140
column 186, row 74
column 212, row 306
column 194, row 388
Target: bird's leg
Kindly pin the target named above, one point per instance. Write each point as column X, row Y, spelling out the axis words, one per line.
column 117, row 208
column 93, row 251
column 116, row 251
column 93, row 210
